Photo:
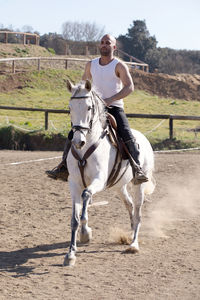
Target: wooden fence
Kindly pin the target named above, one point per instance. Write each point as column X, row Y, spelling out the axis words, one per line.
column 26, row 36
column 38, row 60
column 137, row 62
column 171, row 118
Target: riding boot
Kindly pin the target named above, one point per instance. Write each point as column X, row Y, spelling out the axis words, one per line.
column 138, row 174
column 61, row 171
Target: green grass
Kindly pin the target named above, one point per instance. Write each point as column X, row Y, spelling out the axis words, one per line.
column 22, row 52
column 142, row 102
column 47, row 89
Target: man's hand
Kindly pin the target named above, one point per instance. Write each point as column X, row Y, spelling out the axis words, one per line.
column 108, row 101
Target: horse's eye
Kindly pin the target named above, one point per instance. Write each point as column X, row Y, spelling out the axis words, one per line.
column 89, row 107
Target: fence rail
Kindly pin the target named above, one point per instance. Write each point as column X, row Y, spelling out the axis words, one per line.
column 66, row 60
column 171, row 118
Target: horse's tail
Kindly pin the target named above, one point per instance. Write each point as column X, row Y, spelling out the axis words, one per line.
column 150, row 185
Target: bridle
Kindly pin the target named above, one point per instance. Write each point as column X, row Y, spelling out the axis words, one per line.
column 82, row 128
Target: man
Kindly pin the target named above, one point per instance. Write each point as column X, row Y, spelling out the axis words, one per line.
column 112, row 80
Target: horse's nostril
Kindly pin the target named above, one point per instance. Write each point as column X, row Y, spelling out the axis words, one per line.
column 82, row 144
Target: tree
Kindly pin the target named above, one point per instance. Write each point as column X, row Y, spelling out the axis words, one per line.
column 54, row 41
column 27, row 28
column 76, row 31
column 137, row 42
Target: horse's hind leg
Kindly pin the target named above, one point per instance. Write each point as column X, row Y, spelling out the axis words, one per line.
column 86, row 231
column 138, row 201
column 126, row 197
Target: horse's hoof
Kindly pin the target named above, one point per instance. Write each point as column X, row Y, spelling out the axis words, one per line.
column 85, row 235
column 69, row 260
column 133, row 248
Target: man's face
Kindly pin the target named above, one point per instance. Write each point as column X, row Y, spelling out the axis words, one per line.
column 107, row 46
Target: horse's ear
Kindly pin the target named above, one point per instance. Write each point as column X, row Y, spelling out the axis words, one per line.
column 88, row 85
column 69, row 85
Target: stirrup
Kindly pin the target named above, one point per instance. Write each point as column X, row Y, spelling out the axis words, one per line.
column 59, row 172
column 139, row 177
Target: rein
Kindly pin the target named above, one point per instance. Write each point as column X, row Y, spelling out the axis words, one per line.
column 80, row 97
column 82, row 161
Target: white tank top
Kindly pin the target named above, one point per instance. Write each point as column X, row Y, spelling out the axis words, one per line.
column 105, row 81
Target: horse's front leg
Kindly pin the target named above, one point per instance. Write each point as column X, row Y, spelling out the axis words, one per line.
column 96, row 185
column 70, row 257
column 86, row 231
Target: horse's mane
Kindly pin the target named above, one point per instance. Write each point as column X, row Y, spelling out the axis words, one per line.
column 101, row 108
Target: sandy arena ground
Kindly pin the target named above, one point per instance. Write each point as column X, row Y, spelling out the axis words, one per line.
column 35, row 235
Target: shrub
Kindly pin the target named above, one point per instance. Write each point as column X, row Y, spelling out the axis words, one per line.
column 51, row 50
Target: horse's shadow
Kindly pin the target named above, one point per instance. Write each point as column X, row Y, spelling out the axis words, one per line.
column 13, row 261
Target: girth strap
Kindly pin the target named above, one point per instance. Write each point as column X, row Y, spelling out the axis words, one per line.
column 112, row 179
column 115, row 171
column 82, row 161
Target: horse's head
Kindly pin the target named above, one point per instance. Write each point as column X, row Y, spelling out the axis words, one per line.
column 81, row 107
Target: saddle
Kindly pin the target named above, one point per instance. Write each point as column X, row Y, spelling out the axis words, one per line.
column 114, row 137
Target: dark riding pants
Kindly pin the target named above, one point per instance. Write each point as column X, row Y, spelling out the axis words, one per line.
column 123, row 127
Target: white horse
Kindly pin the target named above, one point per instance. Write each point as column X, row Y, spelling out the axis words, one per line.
column 90, row 163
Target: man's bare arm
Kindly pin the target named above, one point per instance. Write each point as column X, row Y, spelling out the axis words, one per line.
column 123, row 73
column 87, row 74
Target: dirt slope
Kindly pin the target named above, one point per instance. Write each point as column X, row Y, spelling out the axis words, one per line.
column 180, row 86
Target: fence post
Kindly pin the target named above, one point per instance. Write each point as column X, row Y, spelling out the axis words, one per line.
column 13, row 67
column 6, row 38
column 170, row 128
column 39, row 64
column 66, row 64
column 86, row 50
column 46, row 120
column 24, row 39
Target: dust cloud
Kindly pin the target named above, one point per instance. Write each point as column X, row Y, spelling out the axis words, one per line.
column 119, row 236
column 181, row 201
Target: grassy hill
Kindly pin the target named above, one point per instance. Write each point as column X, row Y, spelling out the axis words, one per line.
column 47, row 89
column 154, row 94
column 19, row 50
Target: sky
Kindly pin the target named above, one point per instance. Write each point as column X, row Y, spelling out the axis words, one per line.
column 174, row 23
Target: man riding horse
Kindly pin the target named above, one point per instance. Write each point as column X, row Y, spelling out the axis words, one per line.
column 112, row 81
